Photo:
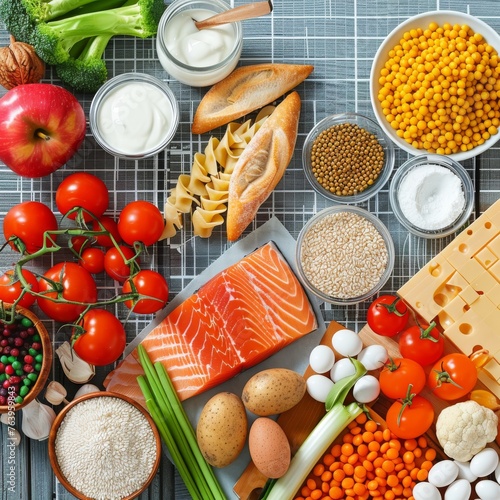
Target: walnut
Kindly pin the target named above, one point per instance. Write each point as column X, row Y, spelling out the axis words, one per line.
column 19, row 64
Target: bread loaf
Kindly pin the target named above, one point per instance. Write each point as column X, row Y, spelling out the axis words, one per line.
column 246, row 89
column 262, row 165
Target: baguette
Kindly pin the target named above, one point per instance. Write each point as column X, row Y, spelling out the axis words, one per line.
column 246, row 89
column 262, row 165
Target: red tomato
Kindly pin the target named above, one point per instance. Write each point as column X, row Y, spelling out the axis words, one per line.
column 398, row 374
column 423, row 344
column 150, row 285
column 110, row 225
column 410, row 418
column 84, row 190
column 387, row 315
column 141, row 221
column 24, row 226
column 77, row 285
column 10, row 288
column 103, row 339
column 115, row 265
column 79, row 242
column 92, row 259
column 453, row 376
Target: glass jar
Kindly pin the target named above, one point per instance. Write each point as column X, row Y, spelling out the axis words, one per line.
column 134, row 115
column 197, row 57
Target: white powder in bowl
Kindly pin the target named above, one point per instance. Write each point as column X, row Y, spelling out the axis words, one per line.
column 105, row 448
column 431, row 197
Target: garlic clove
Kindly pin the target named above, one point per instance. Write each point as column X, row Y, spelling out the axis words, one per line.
column 37, row 420
column 76, row 369
column 55, row 393
column 86, row 389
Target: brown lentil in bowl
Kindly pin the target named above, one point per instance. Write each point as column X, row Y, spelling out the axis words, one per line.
column 347, row 158
column 344, row 255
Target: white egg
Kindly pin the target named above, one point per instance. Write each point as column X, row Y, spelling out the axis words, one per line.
column 318, row 387
column 443, row 473
column 366, row 389
column 487, row 489
column 497, row 473
column 484, row 462
column 464, row 471
column 347, row 343
column 458, row 490
column 426, row 491
column 373, row 357
column 342, row 368
column 321, row 359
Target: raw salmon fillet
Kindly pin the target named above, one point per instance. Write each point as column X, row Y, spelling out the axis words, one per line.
column 237, row 319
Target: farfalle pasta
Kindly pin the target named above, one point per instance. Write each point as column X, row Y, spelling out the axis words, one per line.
column 204, row 192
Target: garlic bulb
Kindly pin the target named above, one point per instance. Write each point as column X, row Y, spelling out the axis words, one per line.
column 86, row 389
column 37, row 420
column 55, row 393
column 77, row 370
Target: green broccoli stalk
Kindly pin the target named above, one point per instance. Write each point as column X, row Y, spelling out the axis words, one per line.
column 46, row 10
column 86, row 70
column 53, row 40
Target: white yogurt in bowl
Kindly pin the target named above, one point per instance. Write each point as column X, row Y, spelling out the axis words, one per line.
column 197, row 57
column 134, row 115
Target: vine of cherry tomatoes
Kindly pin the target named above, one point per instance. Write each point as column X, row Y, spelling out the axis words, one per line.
column 97, row 243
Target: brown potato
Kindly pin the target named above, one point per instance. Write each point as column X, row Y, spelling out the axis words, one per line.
column 222, row 429
column 273, row 391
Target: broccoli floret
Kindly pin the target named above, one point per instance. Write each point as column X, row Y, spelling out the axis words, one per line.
column 54, row 40
column 86, row 70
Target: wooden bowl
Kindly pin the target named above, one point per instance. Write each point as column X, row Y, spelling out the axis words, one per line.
column 59, row 419
column 46, row 363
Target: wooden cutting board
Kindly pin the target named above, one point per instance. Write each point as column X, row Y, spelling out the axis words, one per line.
column 299, row 421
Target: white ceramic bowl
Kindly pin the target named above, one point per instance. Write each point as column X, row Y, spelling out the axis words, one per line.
column 441, row 161
column 370, row 126
column 394, row 37
column 349, row 254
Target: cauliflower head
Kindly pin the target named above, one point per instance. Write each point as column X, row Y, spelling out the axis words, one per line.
column 464, row 429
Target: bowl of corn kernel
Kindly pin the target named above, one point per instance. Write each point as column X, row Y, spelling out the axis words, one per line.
column 435, row 85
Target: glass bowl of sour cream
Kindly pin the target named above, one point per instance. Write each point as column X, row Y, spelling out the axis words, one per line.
column 196, row 57
column 432, row 195
column 134, row 115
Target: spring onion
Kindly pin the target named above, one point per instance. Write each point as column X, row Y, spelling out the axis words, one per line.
column 176, row 430
column 317, row 442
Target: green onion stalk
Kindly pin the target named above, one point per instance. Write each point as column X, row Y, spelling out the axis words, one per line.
column 337, row 418
column 176, row 430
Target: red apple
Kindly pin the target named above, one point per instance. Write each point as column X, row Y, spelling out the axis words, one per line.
column 41, row 128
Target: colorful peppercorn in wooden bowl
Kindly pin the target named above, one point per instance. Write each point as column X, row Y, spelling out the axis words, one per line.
column 433, row 85
column 25, row 364
column 347, row 158
column 104, row 445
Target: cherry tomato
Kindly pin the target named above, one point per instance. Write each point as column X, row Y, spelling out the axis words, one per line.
column 110, row 225
column 10, row 288
column 92, row 259
column 423, row 344
column 453, row 376
column 387, row 315
column 84, row 190
column 140, row 221
column 114, row 264
column 77, row 243
column 103, row 339
column 151, row 285
column 25, row 224
column 77, row 285
column 398, row 374
column 411, row 417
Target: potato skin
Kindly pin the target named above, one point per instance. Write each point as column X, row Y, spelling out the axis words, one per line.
column 273, row 391
column 222, row 429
